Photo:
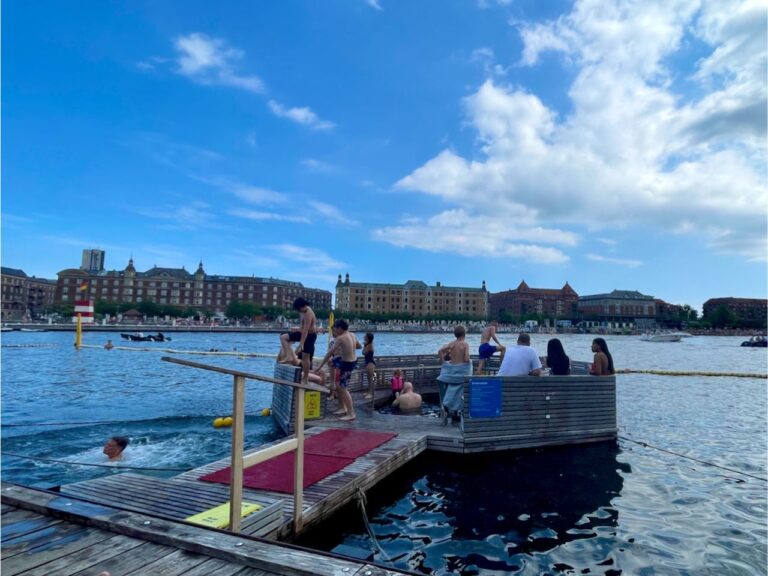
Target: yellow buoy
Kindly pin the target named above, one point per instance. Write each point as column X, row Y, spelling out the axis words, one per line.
column 228, row 421
column 218, row 422
column 266, row 412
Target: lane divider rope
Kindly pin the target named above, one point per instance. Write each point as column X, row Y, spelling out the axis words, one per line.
column 113, row 466
column 647, row 445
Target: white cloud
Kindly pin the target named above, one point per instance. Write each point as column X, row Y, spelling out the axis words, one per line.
column 160, row 255
column 332, row 214
column 315, row 165
column 456, row 231
column 303, row 116
column 631, row 151
column 375, row 4
column 192, row 215
column 261, row 216
column 312, row 259
column 619, row 261
column 208, row 60
column 246, row 192
column 486, row 57
column 253, row 258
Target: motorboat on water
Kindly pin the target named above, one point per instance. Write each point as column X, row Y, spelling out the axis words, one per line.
column 756, row 342
column 661, row 337
column 159, row 337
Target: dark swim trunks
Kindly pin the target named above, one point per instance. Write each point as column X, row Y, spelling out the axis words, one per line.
column 346, row 370
column 309, row 343
column 486, row 350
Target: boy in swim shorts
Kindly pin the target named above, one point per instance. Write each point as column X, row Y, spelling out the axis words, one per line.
column 306, row 336
column 487, row 349
column 345, row 345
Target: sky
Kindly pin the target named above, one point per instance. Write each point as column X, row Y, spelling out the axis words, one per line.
column 609, row 144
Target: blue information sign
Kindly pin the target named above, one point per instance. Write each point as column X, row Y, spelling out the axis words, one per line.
column 484, row 398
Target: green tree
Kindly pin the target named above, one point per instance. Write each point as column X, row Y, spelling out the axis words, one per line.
column 722, row 317
column 148, row 308
column 103, row 307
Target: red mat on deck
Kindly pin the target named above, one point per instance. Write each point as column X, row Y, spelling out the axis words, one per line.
column 324, row 454
column 345, row 442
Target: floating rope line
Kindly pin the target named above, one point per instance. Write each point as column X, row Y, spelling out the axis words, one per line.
column 30, row 345
column 113, row 466
column 175, row 351
column 646, row 445
column 361, row 500
column 676, row 373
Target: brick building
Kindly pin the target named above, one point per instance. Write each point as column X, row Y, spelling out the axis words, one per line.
column 523, row 300
column 179, row 287
column 24, row 297
column 620, row 307
column 414, row 297
column 751, row 310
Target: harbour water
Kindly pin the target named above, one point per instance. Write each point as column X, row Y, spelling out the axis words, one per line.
column 610, row 508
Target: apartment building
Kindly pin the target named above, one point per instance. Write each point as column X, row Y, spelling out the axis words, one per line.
column 415, row 298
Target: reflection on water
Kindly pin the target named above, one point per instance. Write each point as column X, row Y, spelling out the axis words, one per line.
column 500, row 512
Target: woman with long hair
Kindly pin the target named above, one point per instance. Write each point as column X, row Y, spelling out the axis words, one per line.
column 558, row 362
column 603, row 362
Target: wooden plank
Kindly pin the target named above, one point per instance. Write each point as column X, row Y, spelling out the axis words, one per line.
column 82, row 559
column 535, row 443
column 19, row 522
column 67, row 539
column 177, row 500
column 28, row 541
column 214, row 543
column 177, row 562
column 537, row 428
column 298, row 466
column 128, row 562
column 216, row 567
column 269, row 453
column 238, row 431
column 241, row 374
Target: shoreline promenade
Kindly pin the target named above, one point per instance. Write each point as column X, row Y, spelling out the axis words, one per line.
column 275, row 328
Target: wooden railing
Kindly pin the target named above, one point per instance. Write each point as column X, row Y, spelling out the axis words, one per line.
column 238, row 461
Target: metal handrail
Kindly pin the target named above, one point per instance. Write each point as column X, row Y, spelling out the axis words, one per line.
column 238, row 427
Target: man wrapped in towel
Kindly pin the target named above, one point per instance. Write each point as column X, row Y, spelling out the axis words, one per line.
column 456, row 366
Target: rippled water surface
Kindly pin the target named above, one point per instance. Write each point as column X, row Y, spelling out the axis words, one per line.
column 609, row 508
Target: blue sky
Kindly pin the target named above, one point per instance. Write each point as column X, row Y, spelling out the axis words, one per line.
column 609, row 144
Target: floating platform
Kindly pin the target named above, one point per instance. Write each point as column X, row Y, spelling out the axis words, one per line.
column 499, row 413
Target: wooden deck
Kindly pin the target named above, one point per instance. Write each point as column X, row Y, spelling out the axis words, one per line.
column 46, row 534
column 330, row 494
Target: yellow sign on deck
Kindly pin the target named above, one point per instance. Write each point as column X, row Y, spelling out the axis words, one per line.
column 218, row 517
column 311, row 405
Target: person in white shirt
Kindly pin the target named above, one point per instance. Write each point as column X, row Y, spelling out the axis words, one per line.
column 520, row 360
